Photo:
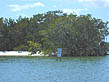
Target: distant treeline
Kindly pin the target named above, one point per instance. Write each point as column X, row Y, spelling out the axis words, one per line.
column 77, row 35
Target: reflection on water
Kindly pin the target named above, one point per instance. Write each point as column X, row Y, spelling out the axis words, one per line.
column 75, row 69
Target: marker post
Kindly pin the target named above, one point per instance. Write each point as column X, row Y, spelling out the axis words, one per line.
column 59, row 52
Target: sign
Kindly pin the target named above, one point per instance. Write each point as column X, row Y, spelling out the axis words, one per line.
column 59, row 51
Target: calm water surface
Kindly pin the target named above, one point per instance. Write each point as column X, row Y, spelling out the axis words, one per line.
column 75, row 69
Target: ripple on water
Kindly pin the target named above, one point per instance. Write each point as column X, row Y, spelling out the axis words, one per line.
column 75, row 69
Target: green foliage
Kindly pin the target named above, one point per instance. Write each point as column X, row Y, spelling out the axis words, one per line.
column 33, row 47
column 21, row 48
column 77, row 35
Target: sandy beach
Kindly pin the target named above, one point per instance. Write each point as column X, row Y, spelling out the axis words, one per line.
column 18, row 53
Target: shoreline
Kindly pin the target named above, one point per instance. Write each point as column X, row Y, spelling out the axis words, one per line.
column 27, row 54
column 18, row 53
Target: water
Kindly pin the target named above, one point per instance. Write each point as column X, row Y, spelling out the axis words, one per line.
column 37, row 69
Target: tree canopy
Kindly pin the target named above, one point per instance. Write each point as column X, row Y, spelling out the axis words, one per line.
column 81, row 35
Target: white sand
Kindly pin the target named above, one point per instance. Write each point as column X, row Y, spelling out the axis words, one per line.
column 17, row 53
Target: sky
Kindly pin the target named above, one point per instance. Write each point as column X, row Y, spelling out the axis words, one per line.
column 28, row 8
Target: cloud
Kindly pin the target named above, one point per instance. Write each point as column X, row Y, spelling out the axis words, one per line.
column 16, row 7
column 87, row 3
column 74, row 11
column 95, row 3
column 87, row 0
column 106, row 3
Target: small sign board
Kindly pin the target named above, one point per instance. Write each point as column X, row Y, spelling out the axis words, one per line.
column 59, row 51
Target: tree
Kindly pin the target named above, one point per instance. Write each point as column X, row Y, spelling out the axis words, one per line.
column 77, row 35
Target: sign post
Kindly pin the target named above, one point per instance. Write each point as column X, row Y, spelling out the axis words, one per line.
column 59, row 52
